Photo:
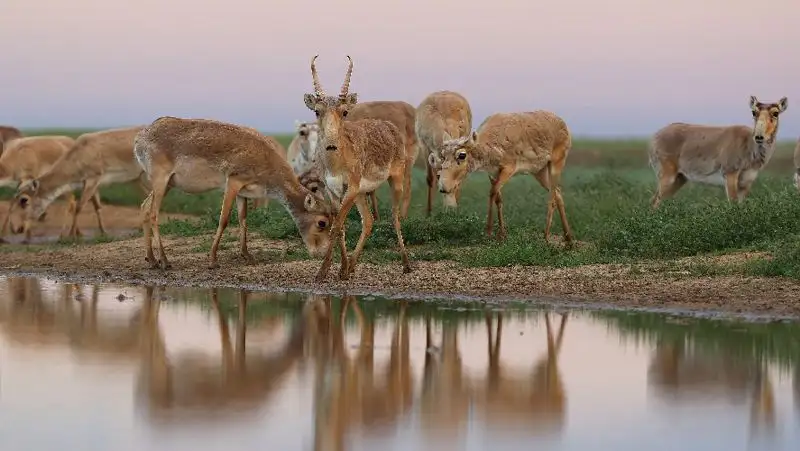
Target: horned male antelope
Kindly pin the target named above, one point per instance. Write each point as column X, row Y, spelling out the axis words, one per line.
column 27, row 158
column 355, row 158
column 198, row 155
column 441, row 113
column 96, row 159
column 401, row 114
column 509, row 143
column 7, row 134
column 731, row 156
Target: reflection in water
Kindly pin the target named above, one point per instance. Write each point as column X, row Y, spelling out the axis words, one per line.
column 325, row 373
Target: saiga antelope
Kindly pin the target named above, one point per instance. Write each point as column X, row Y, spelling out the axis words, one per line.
column 96, row 159
column 8, row 134
column 401, row 114
column 509, row 143
column 25, row 159
column 731, row 156
column 440, row 113
column 199, row 155
column 355, row 158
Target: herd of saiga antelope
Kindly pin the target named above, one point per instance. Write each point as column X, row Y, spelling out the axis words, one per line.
column 349, row 151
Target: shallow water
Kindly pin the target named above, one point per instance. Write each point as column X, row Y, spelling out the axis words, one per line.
column 114, row 367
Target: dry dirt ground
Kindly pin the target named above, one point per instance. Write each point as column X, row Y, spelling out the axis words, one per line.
column 656, row 285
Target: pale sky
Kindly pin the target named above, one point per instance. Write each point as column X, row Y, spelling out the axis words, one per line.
column 613, row 67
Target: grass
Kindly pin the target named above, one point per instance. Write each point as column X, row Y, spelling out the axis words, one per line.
column 607, row 186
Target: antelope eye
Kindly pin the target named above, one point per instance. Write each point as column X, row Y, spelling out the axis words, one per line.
column 755, row 113
column 322, row 224
column 317, row 113
column 775, row 114
column 461, row 155
column 344, row 113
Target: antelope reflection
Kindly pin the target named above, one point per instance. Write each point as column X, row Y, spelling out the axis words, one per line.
column 680, row 372
column 188, row 387
column 536, row 400
column 445, row 399
column 349, row 395
column 29, row 316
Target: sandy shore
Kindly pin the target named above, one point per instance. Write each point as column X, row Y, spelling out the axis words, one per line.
column 645, row 286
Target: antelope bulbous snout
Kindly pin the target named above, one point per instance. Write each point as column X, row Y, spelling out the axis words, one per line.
column 330, row 147
column 758, row 139
column 442, row 190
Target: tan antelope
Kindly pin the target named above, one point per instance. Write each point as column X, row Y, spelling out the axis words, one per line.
column 439, row 115
column 96, row 159
column 300, row 152
column 199, row 155
column 303, row 146
column 797, row 165
column 730, row 156
column 7, row 134
column 25, row 159
column 401, row 114
column 534, row 142
column 354, row 159
column 536, row 400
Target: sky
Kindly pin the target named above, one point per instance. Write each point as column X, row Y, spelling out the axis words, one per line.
column 609, row 68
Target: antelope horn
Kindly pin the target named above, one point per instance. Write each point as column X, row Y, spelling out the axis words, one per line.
column 346, row 84
column 317, row 86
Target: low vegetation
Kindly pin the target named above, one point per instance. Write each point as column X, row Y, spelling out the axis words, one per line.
column 607, row 186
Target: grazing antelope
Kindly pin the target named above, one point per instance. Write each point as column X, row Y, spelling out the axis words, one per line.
column 25, row 159
column 509, row 143
column 731, row 156
column 199, row 155
column 7, row 134
column 355, row 158
column 797, row 165
column 96, row 159
column 440, row 114
column 401, row 114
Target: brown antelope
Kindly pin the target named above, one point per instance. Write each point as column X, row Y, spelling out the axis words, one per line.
column 198, row 155
column 797, row 165
column 534, row 399
column 96, row 159
column 730, row 156
column 27, row 158
column 303, row 146
column 509, row 143
column 401, row 114
column 441, row 114
column 355, row 158
column 7, row 134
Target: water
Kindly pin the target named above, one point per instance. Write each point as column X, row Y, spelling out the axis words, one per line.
column 82, row 367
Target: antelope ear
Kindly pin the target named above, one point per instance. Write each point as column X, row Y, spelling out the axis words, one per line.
column 310, row 202
column 310, row 100
column 34, row 185
column 431, row 160
column 473, row 137
column 753, row 102
column 350, row 99
column 783, row 103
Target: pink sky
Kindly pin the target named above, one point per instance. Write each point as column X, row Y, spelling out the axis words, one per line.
column 617, row 67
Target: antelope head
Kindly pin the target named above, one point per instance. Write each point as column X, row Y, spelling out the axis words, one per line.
column 330, row 110
column 765, row 116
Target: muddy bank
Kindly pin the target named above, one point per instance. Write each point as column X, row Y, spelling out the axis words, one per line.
column 620, row 285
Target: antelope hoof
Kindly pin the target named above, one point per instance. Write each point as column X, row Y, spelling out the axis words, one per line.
column 213, row 265
column 320, row 277
column 152, row 262
column 164, row 264
column 501, row 235
column 344, row 273
column 406, row 269
column 19, row 229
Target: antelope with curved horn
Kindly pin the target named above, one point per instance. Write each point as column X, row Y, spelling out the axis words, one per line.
column 354, row 158
column 731, row 156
